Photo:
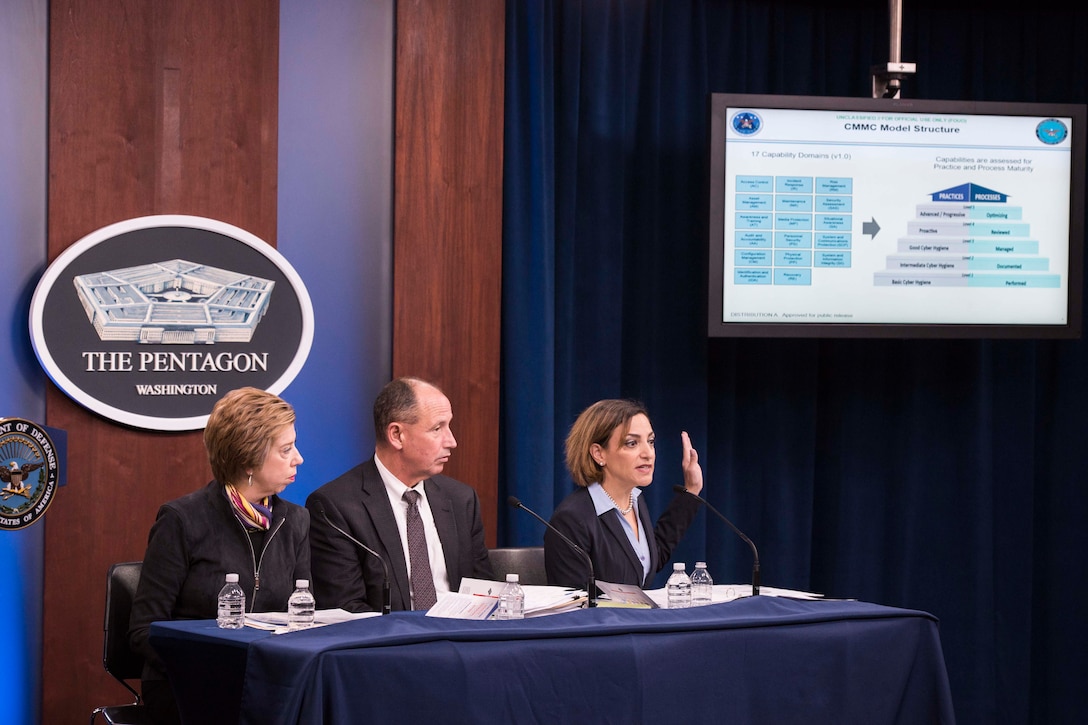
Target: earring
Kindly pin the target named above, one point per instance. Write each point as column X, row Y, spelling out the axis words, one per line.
column 251, row 479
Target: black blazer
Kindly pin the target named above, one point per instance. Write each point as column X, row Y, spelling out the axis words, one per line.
column 347, row 577
column 604, row 539
column 194, row 542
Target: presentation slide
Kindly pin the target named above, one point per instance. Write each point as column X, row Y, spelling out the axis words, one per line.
column 901, row 218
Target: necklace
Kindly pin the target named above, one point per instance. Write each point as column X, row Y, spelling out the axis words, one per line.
column 623, row 511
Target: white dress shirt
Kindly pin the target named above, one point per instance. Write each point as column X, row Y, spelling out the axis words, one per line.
column 395, row 488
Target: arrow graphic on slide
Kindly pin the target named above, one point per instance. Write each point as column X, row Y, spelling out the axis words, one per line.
column 871, row 228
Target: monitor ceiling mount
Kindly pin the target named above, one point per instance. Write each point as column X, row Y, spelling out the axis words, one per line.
column 888, row 78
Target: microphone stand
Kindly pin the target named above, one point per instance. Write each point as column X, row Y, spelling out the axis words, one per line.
column 755, row 554
column 591, row 586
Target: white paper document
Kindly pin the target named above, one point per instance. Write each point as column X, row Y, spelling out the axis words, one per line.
column 277, row 621
column 459, row 605
column 624, row 595
column 729, row 592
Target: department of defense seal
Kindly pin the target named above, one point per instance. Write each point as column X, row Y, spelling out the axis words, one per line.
column 28, row 472
column 1051, row 131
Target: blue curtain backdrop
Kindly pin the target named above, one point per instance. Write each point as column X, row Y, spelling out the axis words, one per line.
column 941, row 475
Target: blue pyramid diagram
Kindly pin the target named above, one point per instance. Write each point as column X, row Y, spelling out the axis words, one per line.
column 969, row 192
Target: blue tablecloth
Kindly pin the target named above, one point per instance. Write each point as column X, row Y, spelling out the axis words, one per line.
column 754, row 660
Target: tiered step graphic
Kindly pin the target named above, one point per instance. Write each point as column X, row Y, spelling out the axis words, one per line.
column 968, row 236
column 788, row 225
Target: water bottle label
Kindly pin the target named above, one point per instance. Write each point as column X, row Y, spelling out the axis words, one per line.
column 300, row 610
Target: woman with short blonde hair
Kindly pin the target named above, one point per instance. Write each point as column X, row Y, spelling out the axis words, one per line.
column 236, row 524
column 241, row 428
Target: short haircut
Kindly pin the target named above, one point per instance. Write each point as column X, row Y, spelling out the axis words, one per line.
column 241, row 429
column 397, row 403
column 596, row 425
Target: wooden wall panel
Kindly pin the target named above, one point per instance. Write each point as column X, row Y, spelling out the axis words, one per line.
column 170, row 107
column 447, row 235
column 156, row 107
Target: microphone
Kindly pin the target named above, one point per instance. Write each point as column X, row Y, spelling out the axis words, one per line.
column 755, row 554
column 591, row 586
column 385, row 567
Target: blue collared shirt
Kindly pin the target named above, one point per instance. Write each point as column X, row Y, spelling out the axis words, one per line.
column 602, row 503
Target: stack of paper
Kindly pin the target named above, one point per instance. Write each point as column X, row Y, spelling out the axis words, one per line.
column 539, row 600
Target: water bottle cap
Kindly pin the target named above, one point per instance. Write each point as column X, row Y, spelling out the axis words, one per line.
column 511, row 577
column 700, row 565
column 302, row 583
column 678, row 566
column 232, row 578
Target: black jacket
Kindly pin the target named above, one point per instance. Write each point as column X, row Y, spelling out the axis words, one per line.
column 604, row 539
column 194, row 543
column 347, row 577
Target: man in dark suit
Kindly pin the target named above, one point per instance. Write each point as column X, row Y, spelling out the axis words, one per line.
column 430, row 541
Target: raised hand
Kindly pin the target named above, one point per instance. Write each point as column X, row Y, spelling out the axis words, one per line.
column 693, row 473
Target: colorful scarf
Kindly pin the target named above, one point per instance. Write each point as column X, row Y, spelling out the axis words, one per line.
column 252, row 515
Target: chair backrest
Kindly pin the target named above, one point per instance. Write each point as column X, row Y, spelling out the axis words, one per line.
column 118, row 659
column 525, row 561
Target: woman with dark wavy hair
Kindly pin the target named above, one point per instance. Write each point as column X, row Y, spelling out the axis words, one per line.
column 611, row 456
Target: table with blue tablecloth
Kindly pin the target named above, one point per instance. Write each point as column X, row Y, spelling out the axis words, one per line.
column 753, row 660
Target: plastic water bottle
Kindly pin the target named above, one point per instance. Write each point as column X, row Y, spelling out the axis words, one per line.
column 678, row 587
column 232, row 605
column 300, row 606
column 702, row 585
column 511, row 600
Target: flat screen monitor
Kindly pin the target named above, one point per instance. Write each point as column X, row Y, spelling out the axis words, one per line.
column 855, row 217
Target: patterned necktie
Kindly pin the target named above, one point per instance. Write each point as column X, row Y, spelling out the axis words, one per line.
column 423, row 596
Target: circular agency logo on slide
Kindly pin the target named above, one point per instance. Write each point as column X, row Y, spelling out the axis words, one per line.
column 28, row 472
column 1051, row 131
column 746, row 123
column 149, row 321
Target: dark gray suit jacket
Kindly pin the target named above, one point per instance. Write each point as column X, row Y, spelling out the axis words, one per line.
column 347, row 577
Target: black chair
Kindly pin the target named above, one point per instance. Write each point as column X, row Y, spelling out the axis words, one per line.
column 525, row 561
column 120, row 661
